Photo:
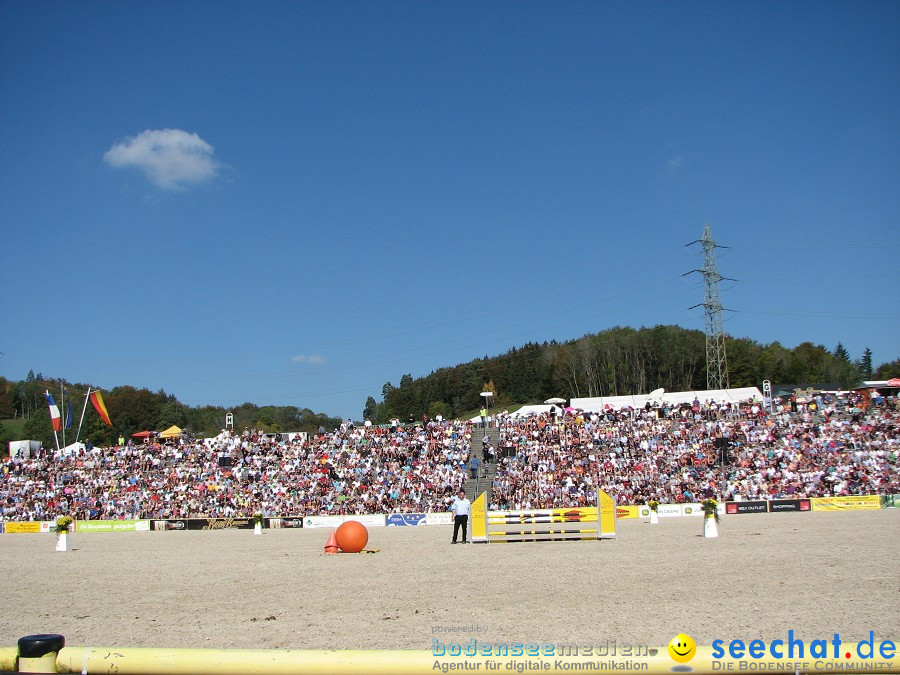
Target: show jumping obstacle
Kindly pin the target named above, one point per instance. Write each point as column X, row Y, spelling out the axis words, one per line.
column 517, row 526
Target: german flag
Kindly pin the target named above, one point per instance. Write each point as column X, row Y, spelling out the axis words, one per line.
column 99, row 406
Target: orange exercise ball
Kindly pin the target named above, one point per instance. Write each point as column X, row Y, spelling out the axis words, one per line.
column 352, row 537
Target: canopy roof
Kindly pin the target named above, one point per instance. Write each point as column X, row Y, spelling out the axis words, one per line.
column 171, row 432
column 736, row 395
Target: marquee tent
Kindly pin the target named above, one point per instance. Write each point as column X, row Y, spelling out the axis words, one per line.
column 171, row 432
column 598, row 403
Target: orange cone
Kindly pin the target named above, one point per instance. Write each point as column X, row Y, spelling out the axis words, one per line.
column 331, row 547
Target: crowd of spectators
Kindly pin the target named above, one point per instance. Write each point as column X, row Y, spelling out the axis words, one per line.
column 355, row 469
column 822, row 446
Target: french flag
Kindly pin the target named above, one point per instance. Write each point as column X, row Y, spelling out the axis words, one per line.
column 54, row 411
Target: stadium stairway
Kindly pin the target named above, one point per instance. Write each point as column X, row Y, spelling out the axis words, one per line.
column 485, row 478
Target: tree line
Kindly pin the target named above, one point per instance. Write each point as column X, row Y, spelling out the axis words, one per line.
column 132, row 410
column 617, row 361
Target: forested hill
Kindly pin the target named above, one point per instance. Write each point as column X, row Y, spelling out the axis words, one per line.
column 614, row 362
column 24, row 408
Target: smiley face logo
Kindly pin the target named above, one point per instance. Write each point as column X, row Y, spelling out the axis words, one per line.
column 682, row 648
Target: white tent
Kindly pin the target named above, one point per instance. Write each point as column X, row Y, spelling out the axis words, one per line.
column 598, row 403
column 527, row 410
column 72, row 449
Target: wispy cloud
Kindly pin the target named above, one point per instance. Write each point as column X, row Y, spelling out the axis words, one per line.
column 313, row 359
column 675, row 163
column 170, row 158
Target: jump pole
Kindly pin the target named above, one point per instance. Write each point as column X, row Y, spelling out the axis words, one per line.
column 603, row 517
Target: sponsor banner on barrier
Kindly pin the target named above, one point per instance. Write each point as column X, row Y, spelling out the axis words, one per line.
column 760, row 506
column 219, row 523
column 442, row 518
column 21, row 528
column 890, row 501
column 48, row 526
column 850, row 503
column 692, row 510
column 323, row 521
column 367, row 519
column 284, row 523
column 778, row 505
column 405, row 519
column 626, row 512
column 111, row 525
column 2, row 527
column 668, row 510
column 173, row 524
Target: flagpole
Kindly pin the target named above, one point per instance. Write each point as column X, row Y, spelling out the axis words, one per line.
column 81, row 421
column 64, row 413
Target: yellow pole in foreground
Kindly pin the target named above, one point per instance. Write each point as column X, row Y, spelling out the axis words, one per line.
column 149, row 661
column 8, row 657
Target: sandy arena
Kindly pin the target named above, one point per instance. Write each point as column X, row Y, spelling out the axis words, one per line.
column 817, row 573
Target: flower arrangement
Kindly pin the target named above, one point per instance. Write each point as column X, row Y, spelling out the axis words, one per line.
column 653, row 504
column 710, row 508
column 63, row 523
column 258, row 519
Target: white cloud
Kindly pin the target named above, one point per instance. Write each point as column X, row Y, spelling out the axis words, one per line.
column 314, row 359
column 170, row 158
column 675, row 163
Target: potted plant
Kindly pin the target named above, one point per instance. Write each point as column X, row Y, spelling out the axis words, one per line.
column 654, row 511
column 710, row 508
column 62, row 527
column 258, row 521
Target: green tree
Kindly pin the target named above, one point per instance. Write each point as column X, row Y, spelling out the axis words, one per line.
column 369, row 409
column 39, row 428
column 841, row 353
column 865, row 364
column 887, row 371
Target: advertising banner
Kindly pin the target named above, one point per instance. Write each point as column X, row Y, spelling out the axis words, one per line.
column 2, row 527
column 691, row 510
column 174, row 524
column 777, row 505
column 323, row 521
column 851, row 503
column 626, row 512
column 668, row 510
column 21, row 528
column 761, row 506
column 890, row 501
column 284, row 523
column 441, row 518
column 405, row 519
column 110, row 525
column 220, row 523
column 369, row 520
column 104, row 526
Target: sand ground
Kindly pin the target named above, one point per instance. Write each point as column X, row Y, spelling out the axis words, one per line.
column 815, row 573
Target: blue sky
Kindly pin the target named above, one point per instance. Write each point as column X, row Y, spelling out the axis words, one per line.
column 295, row 202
